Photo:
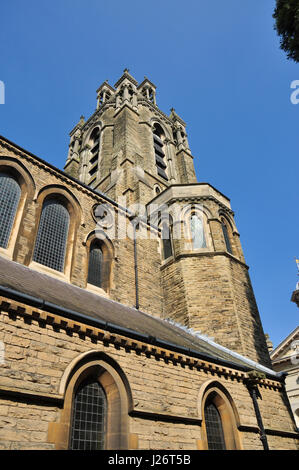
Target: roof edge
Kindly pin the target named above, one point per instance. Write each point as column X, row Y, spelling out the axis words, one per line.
column 149, row 339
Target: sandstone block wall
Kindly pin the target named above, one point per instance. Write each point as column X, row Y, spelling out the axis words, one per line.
column 37, row 355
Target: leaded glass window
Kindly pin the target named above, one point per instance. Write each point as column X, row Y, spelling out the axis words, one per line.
column 226, row 237
column 50, row 245
column 197, row 232
column 166, row 240
column 95, row 265
column 214, row 427
column 10, row 193
column 89, row 417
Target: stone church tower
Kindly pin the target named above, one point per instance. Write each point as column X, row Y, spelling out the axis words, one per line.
column 131, row 151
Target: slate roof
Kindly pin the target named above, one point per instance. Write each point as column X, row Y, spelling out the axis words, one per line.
column 51, row 294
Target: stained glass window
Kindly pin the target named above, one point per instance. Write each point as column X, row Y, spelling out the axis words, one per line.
column 10, row 193
column 197, row 232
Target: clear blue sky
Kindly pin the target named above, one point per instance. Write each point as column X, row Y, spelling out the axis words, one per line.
column 218, row 63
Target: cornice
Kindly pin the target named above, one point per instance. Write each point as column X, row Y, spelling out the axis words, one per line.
column 96, row 116
column 177, row 185
column 202, row 254
column 146, row 80
column 285, row 343
column 156, row 110
column 152, row 347
column 105, row 85
column 195, row 199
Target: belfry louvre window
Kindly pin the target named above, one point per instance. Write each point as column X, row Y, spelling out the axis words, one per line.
column 214, row 427
column 10, row 193
column 95, row 265
column 159, row 153
column 95, row 148
column 89, row 417
column 50, row 245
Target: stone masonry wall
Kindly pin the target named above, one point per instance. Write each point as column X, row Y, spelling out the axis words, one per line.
column 37, row 355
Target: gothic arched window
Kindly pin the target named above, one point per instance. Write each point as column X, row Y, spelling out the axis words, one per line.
column 166, row 234
column 159, row 151
column 197, row 232
column 226, row 236
column 88, row 428
column 214, row 427
column 10, row 193
column 50, row 245
column 95, row 265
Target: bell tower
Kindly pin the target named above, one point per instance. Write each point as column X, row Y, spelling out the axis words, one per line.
column 130, row 149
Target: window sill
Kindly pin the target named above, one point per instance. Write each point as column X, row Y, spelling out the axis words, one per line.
column 97, row 290
column 51, row 272
column 6, row 253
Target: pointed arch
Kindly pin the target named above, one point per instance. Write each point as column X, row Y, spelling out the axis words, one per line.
column 17, row 188
column 228, row 232
column 55, row 205
column 214, row 399
column 99, row 261
column 166, row 226
column 97, row 368
column 195, row 218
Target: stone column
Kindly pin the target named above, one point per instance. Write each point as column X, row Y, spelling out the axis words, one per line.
column 126, row 96
column 179, row 138
column 169, row 161
column 84, row 158
column 118, row 101
column 154, row 97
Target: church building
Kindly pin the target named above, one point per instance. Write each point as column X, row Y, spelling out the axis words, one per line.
column 128, row 318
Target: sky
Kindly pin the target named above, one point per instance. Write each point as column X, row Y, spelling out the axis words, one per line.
column 217, row 63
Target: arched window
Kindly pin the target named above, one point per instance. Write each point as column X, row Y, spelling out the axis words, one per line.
column 88, row 429
column 50, row 245
column 95, row 148
column 226, row 236
column 214, row 430
column 95, row 265
column 166, row 234
column 10, row 193
column 197, row 232
column 220, row 419
column 97, row 400
column 159, row 151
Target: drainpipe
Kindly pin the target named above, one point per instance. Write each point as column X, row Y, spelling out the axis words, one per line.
column 253, row 378
column 135, row 224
